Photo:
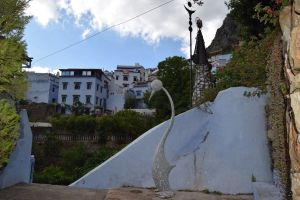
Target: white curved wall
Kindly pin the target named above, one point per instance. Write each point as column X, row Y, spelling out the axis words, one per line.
column 219, row 151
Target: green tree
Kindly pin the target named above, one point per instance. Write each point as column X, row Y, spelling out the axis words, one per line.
column 12, row 47
column 9, row 130
column 256, row 16
column 174, row 72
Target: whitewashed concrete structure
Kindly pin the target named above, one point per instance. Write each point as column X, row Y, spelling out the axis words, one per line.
column 219, row 151
column 42, row 87
column 219, row 61
column 19, row 167
column 88, row 86
column 140, row 89
column 126, row 76
column 116, row 97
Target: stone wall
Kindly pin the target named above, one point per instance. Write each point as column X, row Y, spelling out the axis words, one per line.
column 290, row 26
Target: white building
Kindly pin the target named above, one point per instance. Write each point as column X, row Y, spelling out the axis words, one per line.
column 126, row 76
column 140, row 89
column 88, row 86
column 116, row 97
column 42, row 87
column 219, row 61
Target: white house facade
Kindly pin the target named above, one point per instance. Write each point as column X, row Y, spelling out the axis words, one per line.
column 140, row 89
column 88, row 86
column 126, row 76
column 42, row 87
column 116, row 97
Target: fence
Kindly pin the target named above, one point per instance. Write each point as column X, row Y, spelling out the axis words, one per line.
column 82, row 138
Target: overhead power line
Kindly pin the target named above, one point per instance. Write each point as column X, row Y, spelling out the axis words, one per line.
column 102, row 31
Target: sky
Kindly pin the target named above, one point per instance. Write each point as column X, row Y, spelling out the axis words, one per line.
column 147, row 39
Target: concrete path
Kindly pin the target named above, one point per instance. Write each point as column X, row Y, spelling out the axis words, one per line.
column 55, row 192
column 49, row 192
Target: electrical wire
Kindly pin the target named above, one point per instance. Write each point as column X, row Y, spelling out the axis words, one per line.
column 102, row 31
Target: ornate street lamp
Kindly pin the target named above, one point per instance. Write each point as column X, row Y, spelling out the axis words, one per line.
column 190, row 10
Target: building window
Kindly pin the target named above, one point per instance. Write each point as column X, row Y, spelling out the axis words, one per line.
column 101, row 88
column 125, row 78
column 77, row 85
column 65, row 85
column 138, row 93
column 88, row 99
column 86, row 73
column 97, row 87
column 125, row 85
column 53, row 89
column 63, row 98
column 76, row 98
column 117, row 77
column 134, row 78
column 97, row 99
column 100, row 102
column 67, row 73
column 88, row 85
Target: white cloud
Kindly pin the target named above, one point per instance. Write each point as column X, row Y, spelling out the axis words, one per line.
column 40, row 69
column 44, row 11
column 85, row 33
column 169, row 21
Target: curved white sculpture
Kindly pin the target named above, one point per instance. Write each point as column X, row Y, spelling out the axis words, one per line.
column 161, row 168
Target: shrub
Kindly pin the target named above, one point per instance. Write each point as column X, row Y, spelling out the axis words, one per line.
column 97, row 158
column 83, row 124
column 9, row 130
column 52, row 175
column 73, row 159
column 105, row 126
column 52, row 147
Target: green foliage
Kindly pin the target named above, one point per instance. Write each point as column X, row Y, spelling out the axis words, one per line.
column 253, row 178
column 246, row 68
column 9, row 130
column 174, row 72
column 105, row 126
column 126, row 122
column 12, row 48
column 52, row 147
column 268, row 14
column 73, row 164
column 256, row 16
column 130, row 103
column 52, row 175
column 73, row 160
column 97, row 158
column 82, row 124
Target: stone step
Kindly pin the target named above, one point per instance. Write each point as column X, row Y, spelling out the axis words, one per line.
column 56, row 192
column 49, row 192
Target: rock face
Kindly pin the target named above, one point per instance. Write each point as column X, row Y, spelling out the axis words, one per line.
column 226, row 38
column 219, row 152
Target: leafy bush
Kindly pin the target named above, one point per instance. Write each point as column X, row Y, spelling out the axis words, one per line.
column 73, row 159
column 52, row 147
column 97, row 158
column 83, row 124
column 132, row 123
column 52, row 175
column 9, row 130
column 105, row 126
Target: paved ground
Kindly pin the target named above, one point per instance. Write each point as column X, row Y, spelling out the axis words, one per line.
column 54, row 192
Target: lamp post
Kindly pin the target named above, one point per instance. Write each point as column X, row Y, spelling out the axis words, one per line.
column 190, row 12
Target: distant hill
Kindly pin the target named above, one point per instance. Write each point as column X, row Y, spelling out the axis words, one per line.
column 226, row 38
